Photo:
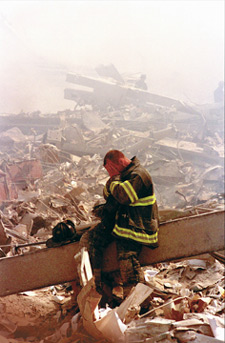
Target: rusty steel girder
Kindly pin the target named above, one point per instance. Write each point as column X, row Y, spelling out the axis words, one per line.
column 180, row 238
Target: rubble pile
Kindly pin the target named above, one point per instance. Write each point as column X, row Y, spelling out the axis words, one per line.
column 51, row 170
column 186, row 165
column 51, row 175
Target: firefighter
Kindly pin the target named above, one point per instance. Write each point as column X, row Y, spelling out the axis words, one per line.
column 140, row 83
column 129, row 216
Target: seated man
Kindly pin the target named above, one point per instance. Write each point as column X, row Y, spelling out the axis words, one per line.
column 129, row 216
column 140, row 83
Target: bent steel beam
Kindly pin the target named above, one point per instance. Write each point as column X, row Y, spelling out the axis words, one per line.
column 115, row 93
column 180, row 238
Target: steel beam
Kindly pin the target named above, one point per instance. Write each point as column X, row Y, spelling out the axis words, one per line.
column 117, row 91
column 181, row 238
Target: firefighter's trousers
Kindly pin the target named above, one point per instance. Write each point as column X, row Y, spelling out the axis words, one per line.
column 96, row 241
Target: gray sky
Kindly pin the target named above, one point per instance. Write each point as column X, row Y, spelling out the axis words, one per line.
column 178, row 44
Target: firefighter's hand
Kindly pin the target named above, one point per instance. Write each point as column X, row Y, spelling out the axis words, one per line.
column 112, row 168
column 113, row 178
column 106, row 190
column 98, row 210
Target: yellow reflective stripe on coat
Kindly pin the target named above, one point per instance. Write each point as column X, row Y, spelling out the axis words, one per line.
column 128, row 189
column 113, row 184
column 150, row 200
column 137, row 236
column 106, row 192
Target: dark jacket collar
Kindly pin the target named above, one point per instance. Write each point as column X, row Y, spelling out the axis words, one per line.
column 134, row 163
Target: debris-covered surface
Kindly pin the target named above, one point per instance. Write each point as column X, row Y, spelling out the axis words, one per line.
column 51, row 170
column 184, row 303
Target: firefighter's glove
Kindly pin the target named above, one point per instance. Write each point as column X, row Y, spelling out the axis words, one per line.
column 106, row 191
column 112, row 168
column 98, row 210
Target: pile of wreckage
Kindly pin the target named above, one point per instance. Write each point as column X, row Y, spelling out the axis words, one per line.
column 51, row 169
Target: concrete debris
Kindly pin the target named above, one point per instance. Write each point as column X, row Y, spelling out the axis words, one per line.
column 179, row 158
column 51, row 170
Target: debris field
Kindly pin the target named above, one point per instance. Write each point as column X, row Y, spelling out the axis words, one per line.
column 51, row 169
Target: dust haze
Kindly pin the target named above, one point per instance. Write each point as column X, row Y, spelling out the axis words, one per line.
column 179, row 45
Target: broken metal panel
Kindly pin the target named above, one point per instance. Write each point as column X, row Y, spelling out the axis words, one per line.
column 8, row 189
column 25, row 170
column 178, row 239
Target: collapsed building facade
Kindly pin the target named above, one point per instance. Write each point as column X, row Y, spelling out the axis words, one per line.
column 51, row 169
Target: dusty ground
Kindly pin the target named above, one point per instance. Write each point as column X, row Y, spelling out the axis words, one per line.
column 32, row 316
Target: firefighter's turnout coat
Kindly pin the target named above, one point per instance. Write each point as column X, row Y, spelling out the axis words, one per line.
column 136, row 216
